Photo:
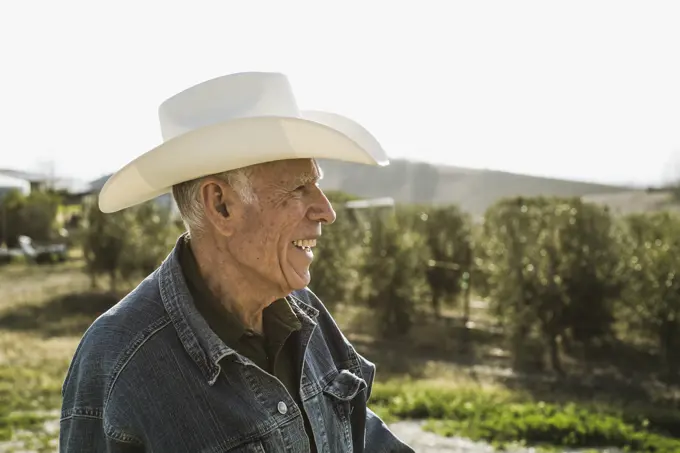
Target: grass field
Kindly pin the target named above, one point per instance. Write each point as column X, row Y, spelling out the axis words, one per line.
column 462, row 391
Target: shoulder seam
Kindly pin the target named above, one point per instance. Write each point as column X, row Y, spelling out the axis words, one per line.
column 139, row 341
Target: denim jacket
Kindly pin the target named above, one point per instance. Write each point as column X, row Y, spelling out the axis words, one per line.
column 149, row 375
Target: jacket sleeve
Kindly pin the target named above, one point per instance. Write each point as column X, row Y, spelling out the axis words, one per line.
column 378, row 436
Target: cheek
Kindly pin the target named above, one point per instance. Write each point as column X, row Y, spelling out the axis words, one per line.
column 260, row 242
column 264, row 237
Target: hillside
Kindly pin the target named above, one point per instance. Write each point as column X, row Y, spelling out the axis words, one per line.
column 473, row 190
column 636, row 201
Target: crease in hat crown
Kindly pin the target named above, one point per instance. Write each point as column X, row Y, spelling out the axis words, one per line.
column 250, row 95
column 230, row 122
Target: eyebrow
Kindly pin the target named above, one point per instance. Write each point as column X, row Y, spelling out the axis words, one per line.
column 307, row 178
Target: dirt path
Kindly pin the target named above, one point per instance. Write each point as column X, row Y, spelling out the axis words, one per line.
column 427, row 442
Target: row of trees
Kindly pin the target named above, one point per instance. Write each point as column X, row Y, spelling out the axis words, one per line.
column 571, row 271
column 559, row 274
column 127, row 244
column 31, row 215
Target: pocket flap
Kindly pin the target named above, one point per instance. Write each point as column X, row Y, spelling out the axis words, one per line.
column 345, row 386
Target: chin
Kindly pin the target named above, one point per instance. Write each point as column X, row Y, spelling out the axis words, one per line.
column 298, row 280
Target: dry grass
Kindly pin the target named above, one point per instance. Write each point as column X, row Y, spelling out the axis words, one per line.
column 31, row 374
column 29, row 284
column 43, row 313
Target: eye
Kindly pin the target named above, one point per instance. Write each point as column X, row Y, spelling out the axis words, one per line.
column 300, row 188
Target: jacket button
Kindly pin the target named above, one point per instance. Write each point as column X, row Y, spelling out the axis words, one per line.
column 282, row 407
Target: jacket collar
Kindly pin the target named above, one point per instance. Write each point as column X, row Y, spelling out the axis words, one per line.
column 202, row 344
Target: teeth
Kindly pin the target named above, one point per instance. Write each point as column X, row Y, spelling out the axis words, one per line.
column 308, row 243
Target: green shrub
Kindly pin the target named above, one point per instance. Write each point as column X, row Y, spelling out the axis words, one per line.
column 33, row 216
column 127, row 244
column 652, row 293
column 335, row 269
column 394, row 265
column 552, row 268
column 447, row 232
column 502, row 418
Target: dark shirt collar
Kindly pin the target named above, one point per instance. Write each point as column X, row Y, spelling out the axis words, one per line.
column 203, row 345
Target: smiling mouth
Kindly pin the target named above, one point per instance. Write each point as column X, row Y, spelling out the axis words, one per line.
column 305, row 244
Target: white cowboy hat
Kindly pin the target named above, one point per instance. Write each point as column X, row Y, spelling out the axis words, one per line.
column 231, row 122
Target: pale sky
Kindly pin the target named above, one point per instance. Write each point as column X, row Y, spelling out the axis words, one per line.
column 585, row 90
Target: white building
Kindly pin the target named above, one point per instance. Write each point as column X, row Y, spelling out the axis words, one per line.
column 8, row 183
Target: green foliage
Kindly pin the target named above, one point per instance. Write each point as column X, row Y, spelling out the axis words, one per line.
column 503, row 418
column 553, row 270
column 129, row 243
column 552, row 266
column 33, row 216
column 103, row 241
column 394, row 266
column 337, row 198
column 447, row 232
column 337, row 257
column 148, row 241
column 652, row 293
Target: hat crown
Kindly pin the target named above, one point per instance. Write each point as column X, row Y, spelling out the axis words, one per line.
column 227, row 98
column 232, row 122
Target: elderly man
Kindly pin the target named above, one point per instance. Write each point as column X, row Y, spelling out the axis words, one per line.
column 224, row 348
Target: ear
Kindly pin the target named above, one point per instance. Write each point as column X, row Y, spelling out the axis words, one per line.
column 220, row 203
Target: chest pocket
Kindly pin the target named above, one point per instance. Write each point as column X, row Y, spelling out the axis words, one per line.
column 343, row 389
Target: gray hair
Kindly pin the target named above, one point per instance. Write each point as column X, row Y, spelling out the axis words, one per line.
column 187, row 195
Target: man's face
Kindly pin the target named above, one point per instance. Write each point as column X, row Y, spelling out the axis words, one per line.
column 275, row 236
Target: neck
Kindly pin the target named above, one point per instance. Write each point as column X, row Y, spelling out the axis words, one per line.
column 238, row 290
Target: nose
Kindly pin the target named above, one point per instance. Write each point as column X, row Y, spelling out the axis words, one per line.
column 321, row 210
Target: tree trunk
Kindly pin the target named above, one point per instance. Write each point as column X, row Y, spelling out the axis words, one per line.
column 436, row 304
column 113, row 282
column 667, row 339
column 466, row 302
column 554, row 349
column 519, row 331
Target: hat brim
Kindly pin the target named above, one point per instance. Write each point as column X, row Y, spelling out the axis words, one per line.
column 235, row 144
